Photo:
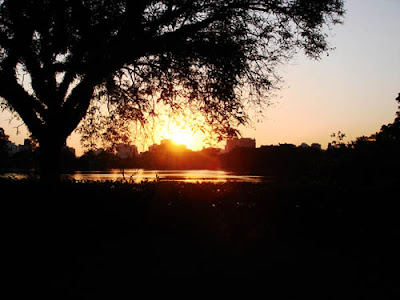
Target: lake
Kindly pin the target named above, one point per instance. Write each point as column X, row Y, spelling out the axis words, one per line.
column 139, row 175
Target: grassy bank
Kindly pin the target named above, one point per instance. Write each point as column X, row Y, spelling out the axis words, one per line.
column 80, row 237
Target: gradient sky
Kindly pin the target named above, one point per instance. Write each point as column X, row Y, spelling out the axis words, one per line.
column 351, row 90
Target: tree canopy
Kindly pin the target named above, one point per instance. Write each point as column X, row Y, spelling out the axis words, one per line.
column 214, row 57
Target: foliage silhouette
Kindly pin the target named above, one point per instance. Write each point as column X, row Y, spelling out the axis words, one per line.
column 338, row 230
column 4, row 139
column 367, row 159
column 213, row 57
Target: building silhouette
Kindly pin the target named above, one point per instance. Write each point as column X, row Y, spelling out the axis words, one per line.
column 153, row 147
column 239, row 143
column 316, row 146
column 14, row 148
column 125, row 151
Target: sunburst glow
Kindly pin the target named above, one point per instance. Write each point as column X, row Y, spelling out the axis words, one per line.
column 180, row 132
column 186, row 128
column 183, row 136
column 180, row 136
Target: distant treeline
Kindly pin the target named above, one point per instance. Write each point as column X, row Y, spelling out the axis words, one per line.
column 373, row 157
column 366, row 158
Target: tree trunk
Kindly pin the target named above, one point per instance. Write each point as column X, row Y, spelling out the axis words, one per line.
column 50, row 161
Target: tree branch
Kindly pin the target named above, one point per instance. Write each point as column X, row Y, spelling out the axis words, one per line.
column 76, row 105
column 24, row 104
column 65, row 84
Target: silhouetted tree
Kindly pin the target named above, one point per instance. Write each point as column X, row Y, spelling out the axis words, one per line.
column 368, row 158
column 213, row 57
column 338, row 139
column 388, row 136
column 3, row 147
column 390, row 133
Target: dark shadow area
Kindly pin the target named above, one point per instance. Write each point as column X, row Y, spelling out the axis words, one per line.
column 328, row 219
column 83, row 237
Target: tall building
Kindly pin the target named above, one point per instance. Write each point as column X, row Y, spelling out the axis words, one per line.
column 166, row 142
column 125, row 151
column 153, row 147
column 12, row 148
column 240, row 143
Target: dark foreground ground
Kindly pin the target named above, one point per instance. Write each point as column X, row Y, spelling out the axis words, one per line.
column 80, row 238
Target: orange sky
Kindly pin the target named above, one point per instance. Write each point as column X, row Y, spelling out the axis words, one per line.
column 351, row 90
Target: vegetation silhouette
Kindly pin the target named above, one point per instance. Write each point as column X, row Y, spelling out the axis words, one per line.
column 330, row 218
column 336, row 228
column 365, row 159
column 60, row 59
column 4, row 139
column 111, row 234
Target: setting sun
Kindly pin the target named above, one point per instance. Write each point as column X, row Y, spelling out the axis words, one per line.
column 180, row 132
column 182, row 137
column 185, row 128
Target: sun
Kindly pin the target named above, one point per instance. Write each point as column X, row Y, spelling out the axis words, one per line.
column 181, row 130
column 182, row 137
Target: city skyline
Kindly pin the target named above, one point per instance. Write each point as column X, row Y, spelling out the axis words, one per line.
column 129, row 150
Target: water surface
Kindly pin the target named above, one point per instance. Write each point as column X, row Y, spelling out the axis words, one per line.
column 139, row 175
